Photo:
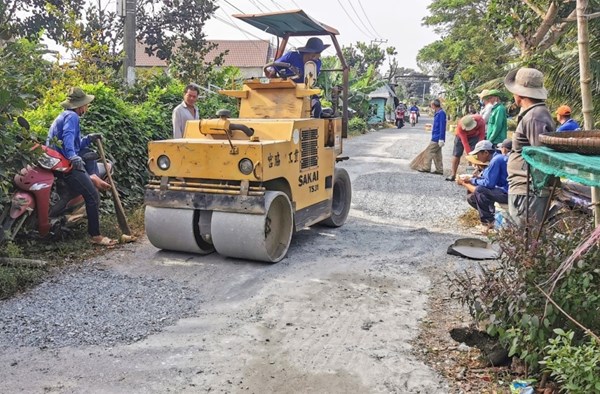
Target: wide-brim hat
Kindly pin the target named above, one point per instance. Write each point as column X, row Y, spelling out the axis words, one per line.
column 467, row 123
column 492, row 92
column 526, row 82
column 77, row 98
column 473, row 160
column 484, row 93
column 313, row 45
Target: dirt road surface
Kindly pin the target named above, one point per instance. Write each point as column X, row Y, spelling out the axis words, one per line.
column 338, row 315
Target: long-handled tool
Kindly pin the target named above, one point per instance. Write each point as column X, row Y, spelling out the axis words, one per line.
column 121, row 218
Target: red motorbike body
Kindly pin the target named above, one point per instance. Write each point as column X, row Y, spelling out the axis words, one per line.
column 35, row 188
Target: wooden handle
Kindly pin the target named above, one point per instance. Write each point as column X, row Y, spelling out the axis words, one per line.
column 121, row 218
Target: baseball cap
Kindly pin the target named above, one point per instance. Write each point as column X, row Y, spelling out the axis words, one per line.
column 564, row 110
column 507, row 143
column 481, row 146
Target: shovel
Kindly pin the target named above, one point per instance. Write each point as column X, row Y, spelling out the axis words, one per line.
column 121, row 218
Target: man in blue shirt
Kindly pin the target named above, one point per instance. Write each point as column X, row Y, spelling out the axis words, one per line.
column 65, row 130
column 491, row 186
column 422, row 162
column 563, row 116
column 310, row 52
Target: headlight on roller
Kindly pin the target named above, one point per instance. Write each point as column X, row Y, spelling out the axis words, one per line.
column 163, row 162
column 245, row 166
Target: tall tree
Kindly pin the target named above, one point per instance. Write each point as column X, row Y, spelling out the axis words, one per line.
column 26, row 18
column 361, row 56
column 173, row 30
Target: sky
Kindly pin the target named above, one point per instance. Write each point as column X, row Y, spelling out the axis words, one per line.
column 394, row 23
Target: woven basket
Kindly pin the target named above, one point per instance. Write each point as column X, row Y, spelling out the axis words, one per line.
column 584, row 142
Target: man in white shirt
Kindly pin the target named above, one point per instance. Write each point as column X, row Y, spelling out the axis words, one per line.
column 185, row 111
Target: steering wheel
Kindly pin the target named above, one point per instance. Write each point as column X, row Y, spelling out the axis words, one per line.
column 281, row 70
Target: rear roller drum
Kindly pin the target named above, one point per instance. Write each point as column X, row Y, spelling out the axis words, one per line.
column 182, row 230
column 264, row 237
column 341, row 200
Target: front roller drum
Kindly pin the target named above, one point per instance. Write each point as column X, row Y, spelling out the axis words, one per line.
column 178, row 229
column 263, row 237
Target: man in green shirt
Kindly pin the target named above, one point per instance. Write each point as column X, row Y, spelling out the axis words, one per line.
column 496, row 124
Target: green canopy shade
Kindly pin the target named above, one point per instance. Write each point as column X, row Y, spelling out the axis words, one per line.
column 287, row 23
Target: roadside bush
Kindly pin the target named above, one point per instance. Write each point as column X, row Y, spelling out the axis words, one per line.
column 506, row 301
column 357, row 125
column 577, row 368
column 22, row 76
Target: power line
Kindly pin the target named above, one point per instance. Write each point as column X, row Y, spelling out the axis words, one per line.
column 240, row 11
column 257, row 6
column 368, row 20
column 352, row 20
column 358, row 16
column 276, row 4
column 245, row 33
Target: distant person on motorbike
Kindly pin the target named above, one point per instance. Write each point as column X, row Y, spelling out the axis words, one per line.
column 400, row 111
column 416, row 110
column 66, row 130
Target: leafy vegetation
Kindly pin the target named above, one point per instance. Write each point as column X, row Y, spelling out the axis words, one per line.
column 506, row 300
column 577, row 367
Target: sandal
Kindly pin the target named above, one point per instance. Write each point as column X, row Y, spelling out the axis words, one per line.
column 103, row 241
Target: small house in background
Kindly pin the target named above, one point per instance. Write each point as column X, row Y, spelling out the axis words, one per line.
column 250, row 56
column 378, row 99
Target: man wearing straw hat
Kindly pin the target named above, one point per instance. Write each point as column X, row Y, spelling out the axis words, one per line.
column 66, row 130
column 527, row 87
column 469, row 131
column 497, row 124
column 486, row 105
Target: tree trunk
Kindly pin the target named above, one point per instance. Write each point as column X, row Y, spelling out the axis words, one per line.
column 586, row 79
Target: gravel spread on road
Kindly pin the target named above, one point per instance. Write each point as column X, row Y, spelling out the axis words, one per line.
column 93, row 306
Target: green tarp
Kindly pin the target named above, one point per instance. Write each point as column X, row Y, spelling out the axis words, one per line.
column 546, row 162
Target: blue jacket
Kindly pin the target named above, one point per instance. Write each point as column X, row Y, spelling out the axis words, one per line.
column 569, row 125
column 495, row 175
column 438, row 131
column 66, row 129
column 295, row 59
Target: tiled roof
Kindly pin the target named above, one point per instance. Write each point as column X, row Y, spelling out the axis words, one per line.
column 242, row 53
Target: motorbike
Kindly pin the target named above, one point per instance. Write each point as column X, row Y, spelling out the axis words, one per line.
column 400, row 120
column 413, row 118
column 43, row 201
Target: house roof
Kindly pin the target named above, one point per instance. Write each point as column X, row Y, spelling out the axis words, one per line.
column 384, row 91
column 242, row 53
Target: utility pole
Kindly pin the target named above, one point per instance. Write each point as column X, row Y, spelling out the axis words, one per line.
column 378, row 41
column 127, row 10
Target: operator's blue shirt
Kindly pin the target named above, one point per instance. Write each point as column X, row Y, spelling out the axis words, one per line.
column 295, row 59
column 495, row 175
column 438, row 131
column 569, row 125
column 66, row 129
column 414, row 108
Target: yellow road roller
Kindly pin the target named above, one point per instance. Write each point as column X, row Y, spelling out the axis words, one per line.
column 242, row 187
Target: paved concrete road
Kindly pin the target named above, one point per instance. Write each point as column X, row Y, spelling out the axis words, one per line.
column 336, row 316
